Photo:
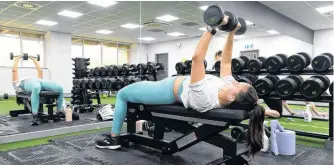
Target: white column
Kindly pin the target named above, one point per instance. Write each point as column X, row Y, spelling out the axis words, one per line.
column 58, row 58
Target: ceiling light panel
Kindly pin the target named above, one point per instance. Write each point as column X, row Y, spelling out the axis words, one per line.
column 71, row 14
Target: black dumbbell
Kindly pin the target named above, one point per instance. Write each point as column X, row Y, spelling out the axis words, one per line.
column 256, row 64
column 75, row 97
column 11, row 56
column 315, row 86
column 215, row 16
column 91, row 72
column 126, row 69
column 75, row 116
column 134, row 80
column 188, row 64
column 331, row 89
column 110, row 84
column 249, row 79
column 119, row 84
column 91, row 83
column 87, row 63
column 238, row 133
column 288, row 86
column 75, row 102
column 104, row 83
column 113, row 70
column 84, row 83
column 98, row 82
column 180, row 68
column 5, row 96
column 153, row 68
column 217, row 66
column 147, row 78
column 264, row 86
column 297, row 62
column 126, row 82
column 97, row 71
column 104, row 71
column 239, row 63
column 75, row 91
column 322, row 62
column 274, row 64
column 141, row 68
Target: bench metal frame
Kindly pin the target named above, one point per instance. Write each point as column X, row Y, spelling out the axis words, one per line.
column 48, row 100
column 208, row 132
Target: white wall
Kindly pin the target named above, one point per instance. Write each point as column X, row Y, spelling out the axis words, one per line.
column 58, row 58
column 268, row 46
column 323, row 41
column 6, row 77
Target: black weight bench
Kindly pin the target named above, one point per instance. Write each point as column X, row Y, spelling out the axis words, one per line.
column 46, row 97
column 177, row 118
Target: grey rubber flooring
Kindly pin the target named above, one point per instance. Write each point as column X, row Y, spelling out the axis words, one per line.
column 80, row 150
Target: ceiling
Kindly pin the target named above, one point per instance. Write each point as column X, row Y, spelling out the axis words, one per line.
column 303, row 12
column 112, row 17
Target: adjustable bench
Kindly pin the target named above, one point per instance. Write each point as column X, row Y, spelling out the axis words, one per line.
column 46, row 97
column 176, row 117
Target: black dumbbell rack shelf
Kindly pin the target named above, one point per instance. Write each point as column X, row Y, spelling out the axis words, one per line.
column 306, row 71
column 325, row 97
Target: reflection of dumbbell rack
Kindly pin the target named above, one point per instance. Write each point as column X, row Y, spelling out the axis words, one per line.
column 81, row 98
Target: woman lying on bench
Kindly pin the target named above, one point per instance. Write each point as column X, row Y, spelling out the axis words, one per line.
column 35, row 85
column 198, row 91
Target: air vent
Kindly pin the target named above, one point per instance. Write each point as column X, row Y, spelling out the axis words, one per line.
column 190, row 24
column 156, row 23
column 27, row 5
column 155, row 30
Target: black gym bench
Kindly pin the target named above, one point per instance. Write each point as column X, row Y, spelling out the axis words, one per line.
column 177, row 118
column 46, row 97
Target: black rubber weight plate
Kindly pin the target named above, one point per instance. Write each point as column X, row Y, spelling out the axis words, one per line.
column 262, row 59
column 232, row 22
column 298, row 79
column 243, row 27
column 213, row 15
column 254, row 65
column 329, row 55
column 324, row 79
column 273, row 78
column 283, row 56
column 307, row 57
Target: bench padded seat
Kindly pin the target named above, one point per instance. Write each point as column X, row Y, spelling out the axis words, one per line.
column 217, row 114
column 41, row 94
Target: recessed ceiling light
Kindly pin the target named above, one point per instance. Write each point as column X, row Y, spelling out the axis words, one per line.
column 175, row 34
column 203, row 7
column 325, row 10
column 103, row 3
column 203, row 28
column 167, row 18
column 249, row 22
column 273, row 32
column 46, row 23
column 71, row 14
column 104, row 31
column 131, row 26
column 147, row 38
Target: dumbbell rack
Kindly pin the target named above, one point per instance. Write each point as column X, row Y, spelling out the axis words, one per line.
column 325, row 98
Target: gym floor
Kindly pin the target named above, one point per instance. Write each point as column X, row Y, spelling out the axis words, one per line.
column 80, row 149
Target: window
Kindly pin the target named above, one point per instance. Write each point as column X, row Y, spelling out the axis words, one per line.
column 109, row 52
column 123, row 53
column 92, row 50
column 10, row 42
column 76, row 48
column 33, row 45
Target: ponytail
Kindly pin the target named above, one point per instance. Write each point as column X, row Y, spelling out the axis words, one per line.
column 255, row 130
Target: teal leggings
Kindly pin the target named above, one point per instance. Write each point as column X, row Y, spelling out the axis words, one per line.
column 145, row 92
column 35, row 86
